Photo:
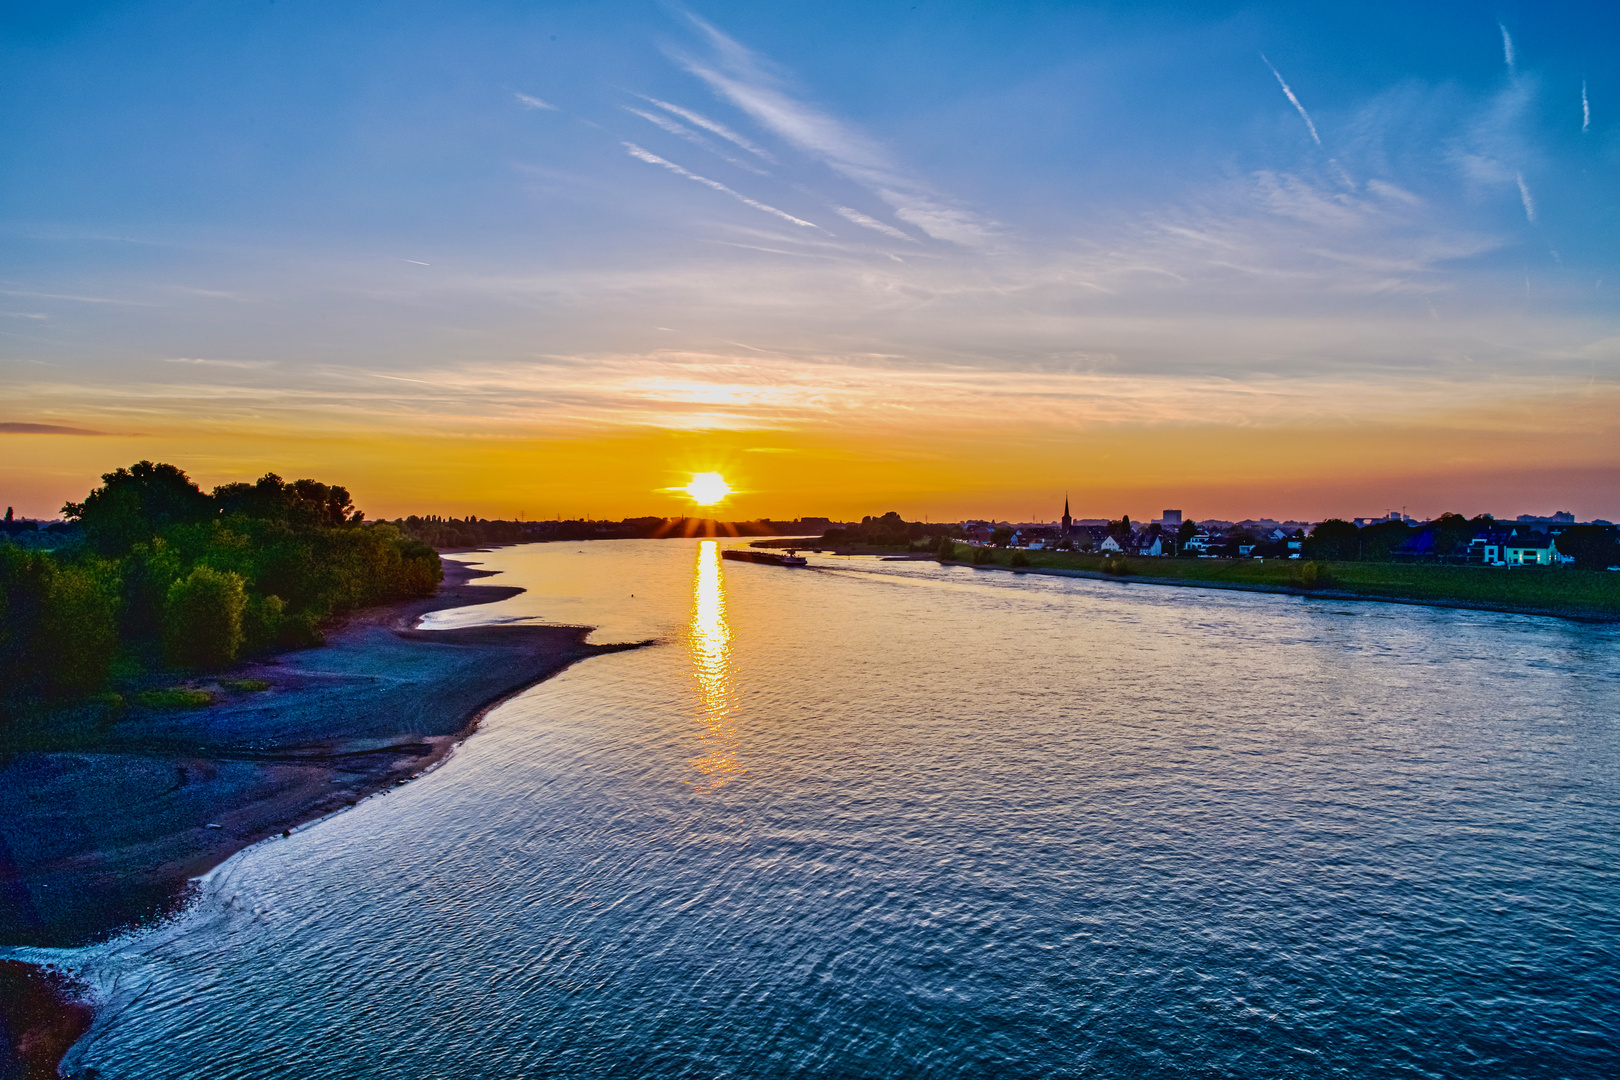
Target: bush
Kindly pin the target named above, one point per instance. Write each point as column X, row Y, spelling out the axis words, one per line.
column 203, row 618
column 246, row 686
column 175, row 697
column 982, row 556
column 946, row 549
column 262, row 622
column 1309, row 575
column 1019, row 559
column 58, row 624
column 1115, row 564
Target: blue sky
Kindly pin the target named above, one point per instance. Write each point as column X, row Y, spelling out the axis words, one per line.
column 843, row 221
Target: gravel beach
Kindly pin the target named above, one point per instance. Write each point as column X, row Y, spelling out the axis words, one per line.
column 98, row 838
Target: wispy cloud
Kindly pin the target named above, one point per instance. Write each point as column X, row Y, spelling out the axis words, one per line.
column 693, row 117
column 1586, row 110
column 1527, row 199
column 681, row 131
column 45, row 429
column 739, row 78
column 240, row 365
column 653, row 159
column 1286, row 89
column 531, row 102
column 1507, row 48
column 77, row 299
column 872, row 223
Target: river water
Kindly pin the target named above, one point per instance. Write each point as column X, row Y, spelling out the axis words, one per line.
column 886, row 819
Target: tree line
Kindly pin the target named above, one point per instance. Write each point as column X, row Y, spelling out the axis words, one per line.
column 159, row 573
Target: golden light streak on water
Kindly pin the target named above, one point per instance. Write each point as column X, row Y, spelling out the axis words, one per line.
column 708, row 642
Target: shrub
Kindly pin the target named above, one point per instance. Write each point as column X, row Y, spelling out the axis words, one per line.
column 946, row 549
column 982, row 556
column 246, row 686
column 1115, row 564
column 203, row 618
column 1019, row 559
column 58, row 624
column 175, row 697
column 1309, row 575
column 262, row 622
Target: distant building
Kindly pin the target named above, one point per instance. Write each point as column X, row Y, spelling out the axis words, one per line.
column 1171, row 520
column 1534, row 549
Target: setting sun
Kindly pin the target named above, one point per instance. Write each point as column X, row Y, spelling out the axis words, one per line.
column 708, row 488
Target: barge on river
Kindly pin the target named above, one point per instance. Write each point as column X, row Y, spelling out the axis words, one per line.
column 772, row 558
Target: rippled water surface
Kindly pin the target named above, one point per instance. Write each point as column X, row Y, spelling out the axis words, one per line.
column 878, row 819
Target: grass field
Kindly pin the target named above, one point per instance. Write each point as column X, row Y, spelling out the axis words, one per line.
column 1549, row 590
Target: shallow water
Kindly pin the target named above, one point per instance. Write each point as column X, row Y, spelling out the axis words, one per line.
column 880, row 819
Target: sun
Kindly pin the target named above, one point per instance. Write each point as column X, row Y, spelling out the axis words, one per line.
column 707, row 488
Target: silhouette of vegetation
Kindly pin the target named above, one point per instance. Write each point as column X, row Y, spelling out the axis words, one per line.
column 983, row 556
column 1115, row 564
column 1309, row 575
column 154, row 572
column 890, row 530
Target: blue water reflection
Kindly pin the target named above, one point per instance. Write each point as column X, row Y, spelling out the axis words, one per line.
column 897, row 820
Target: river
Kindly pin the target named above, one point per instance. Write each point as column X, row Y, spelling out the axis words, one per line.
column 888, row 819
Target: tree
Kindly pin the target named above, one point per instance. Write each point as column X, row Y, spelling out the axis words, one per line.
column 946, row 549
column 1001, row 537
column 1188, row 530
column 135, row 504
column 1593, row 547
column 203, row 618
column 1335, row 540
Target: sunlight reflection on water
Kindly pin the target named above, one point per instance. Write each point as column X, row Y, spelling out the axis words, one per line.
column 708, row 642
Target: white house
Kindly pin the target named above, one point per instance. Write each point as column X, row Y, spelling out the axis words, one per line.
column 1535, row 549
column 1109, row 544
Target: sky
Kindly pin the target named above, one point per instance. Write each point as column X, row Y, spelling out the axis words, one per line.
column 951, row 259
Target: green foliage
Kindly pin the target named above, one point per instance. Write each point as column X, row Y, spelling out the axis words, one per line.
column 1309, row 575
column 246, row 686
column 164, row 570
column 175, row 697
column 946, row 550
column 1115, row 564
column 202, row 618
column 134, row 504
column 58, row 630
column 1018, row 559
column 983, row 556
column 1001, row 537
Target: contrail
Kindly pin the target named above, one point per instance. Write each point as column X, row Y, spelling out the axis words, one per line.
column 653, row 159
column 1507, row 46
column 1586, row 110
column 1303, row 115
column 1529, row 203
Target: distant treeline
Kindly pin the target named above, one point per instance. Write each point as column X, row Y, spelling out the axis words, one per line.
column 443, row 532
column 1334, row 540
column 890, row 530
column 155, row 573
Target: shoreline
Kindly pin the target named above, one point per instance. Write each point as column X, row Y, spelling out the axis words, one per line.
column 1287, row 590
column 103, row 834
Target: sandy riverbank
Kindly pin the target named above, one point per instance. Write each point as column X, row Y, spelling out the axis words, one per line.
column 102, row 836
